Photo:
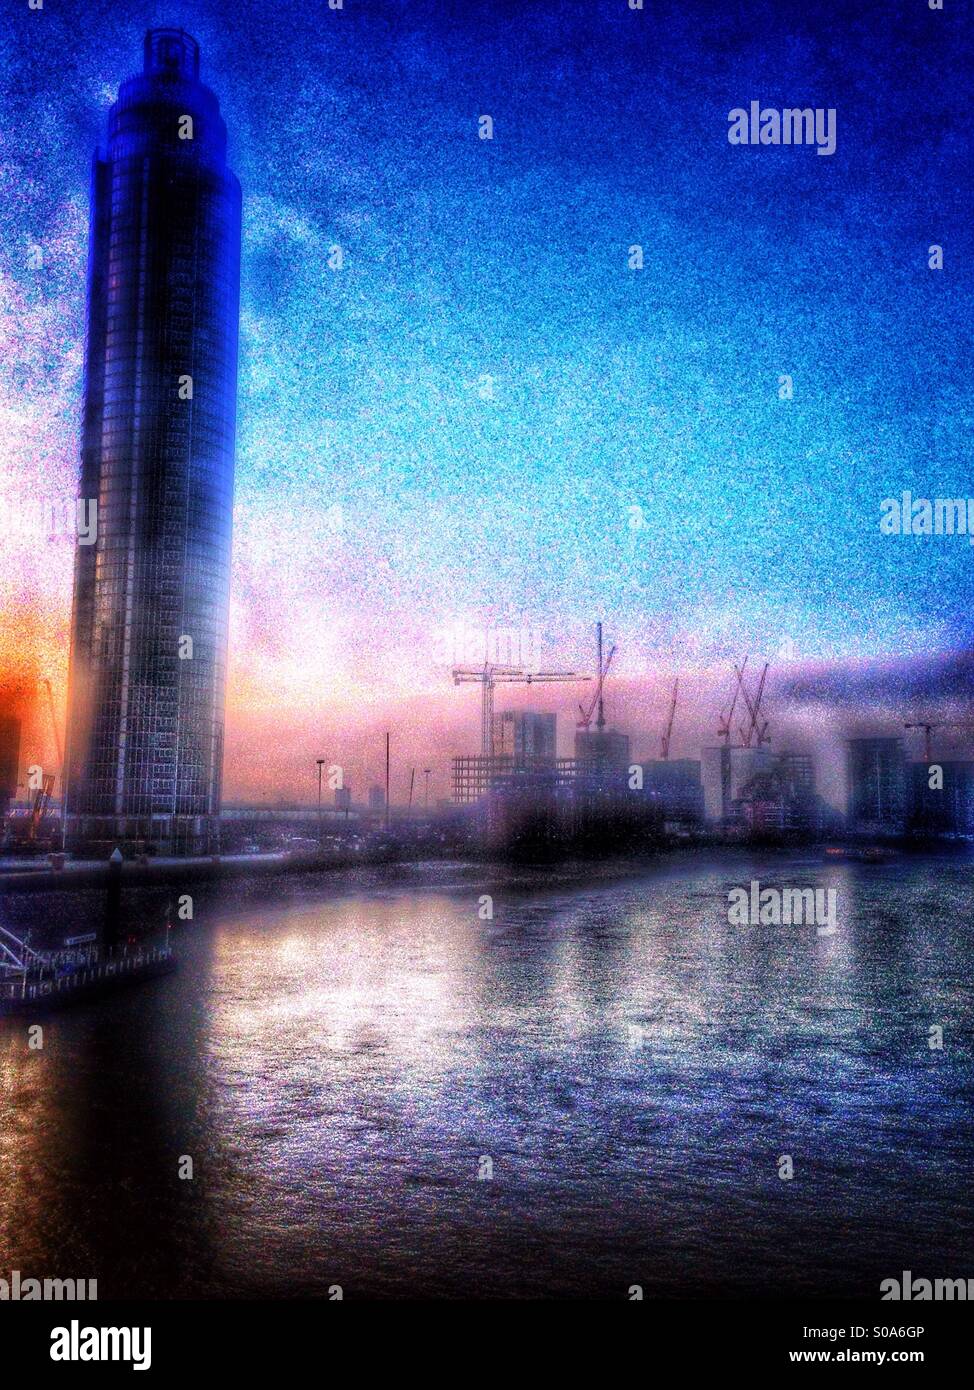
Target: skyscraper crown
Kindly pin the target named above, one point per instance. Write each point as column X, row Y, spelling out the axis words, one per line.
column 172, row 52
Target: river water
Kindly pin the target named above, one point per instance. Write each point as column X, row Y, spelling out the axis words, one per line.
column 384, row 1088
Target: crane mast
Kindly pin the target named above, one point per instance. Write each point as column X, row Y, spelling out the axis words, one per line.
column 667, row 732
column 602, row 670
column 724, row 722
column 489, row 676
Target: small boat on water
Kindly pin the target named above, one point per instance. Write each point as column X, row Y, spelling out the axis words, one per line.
column 32, row 980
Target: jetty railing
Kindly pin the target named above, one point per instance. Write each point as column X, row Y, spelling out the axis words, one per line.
column 30, row 986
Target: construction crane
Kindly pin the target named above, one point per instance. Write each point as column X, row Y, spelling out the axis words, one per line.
column 596, row 701
column 754, row 710
column 724, row 722
column 664, row 743
column 487, row 676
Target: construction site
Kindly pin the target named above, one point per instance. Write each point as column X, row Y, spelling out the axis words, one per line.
column 524, row 796
column 527, row 801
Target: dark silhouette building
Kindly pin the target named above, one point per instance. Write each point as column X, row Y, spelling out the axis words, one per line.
column 676, row 785
column 602, row 753
column 876, row 786
column 946, row 807
column 149, row 625
column 9, row 760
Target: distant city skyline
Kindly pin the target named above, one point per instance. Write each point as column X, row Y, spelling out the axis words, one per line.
column 457, row 425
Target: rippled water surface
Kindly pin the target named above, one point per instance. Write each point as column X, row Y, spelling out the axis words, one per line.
column 341, row 1064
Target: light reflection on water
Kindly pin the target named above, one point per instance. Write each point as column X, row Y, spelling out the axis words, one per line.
column 338, row 1062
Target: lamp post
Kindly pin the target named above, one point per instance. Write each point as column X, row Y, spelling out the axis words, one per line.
column 426, row 794
column 321, row 763
column 387, row 782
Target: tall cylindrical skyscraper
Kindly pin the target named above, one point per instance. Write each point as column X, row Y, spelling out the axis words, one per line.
column 149, row 626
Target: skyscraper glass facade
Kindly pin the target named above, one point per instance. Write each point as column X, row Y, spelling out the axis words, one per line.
column 149, row 627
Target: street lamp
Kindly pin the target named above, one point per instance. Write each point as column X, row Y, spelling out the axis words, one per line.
column 321, row 843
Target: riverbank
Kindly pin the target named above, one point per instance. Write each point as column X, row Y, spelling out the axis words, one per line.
column 25, row 876
column 172, row 872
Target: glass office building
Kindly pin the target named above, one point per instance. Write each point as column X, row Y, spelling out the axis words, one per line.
column 149, row 626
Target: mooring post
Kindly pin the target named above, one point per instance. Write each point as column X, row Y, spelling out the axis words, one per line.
column 113, row 902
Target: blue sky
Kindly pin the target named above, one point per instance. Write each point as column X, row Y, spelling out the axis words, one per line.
column 467, row 259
